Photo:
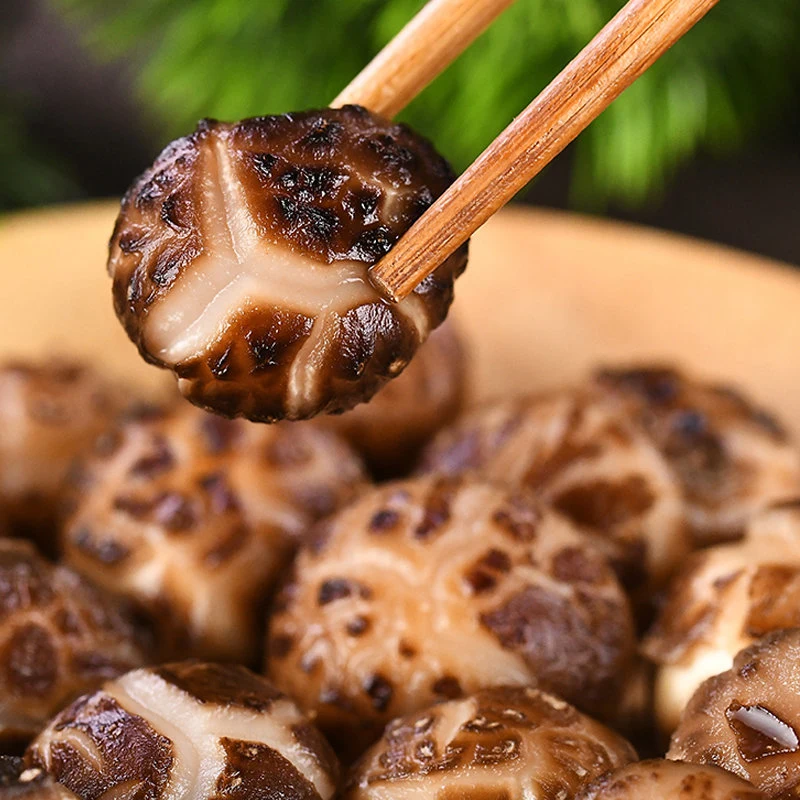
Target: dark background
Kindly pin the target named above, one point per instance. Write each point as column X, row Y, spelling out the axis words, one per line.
column 75, row 108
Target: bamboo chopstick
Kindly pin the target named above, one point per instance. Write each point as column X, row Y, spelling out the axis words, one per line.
column 641, row 32
column 434, row 38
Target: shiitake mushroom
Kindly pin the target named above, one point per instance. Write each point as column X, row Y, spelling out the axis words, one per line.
column 747, row 719
column 50, row 412
column 426, row 589
column 509, row 743
column 60, row 636
column 661, row 779
column 391, row 429
column 731, row 457
column 186, row 730
column 590, row 463
column 724, row 599
column 194, row 517
column 240, row 260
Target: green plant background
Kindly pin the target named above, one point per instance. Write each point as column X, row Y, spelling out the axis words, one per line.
column 236, row 58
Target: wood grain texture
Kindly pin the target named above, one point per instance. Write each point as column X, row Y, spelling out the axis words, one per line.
column 636, row 37
column 431, row 41
column 547, row 295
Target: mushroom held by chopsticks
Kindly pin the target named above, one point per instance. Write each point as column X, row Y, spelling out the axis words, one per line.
column 509, row 743
column 240, row 259
column 186, row 730
column 426, row 589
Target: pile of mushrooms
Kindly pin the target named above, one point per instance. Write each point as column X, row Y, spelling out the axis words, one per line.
column 416, row 597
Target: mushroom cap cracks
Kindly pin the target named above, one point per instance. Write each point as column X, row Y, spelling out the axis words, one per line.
column 391, row 429
column 187, row 731
column 240, row 260
column 194, row 516
column 747, row 720
column 590, row 463
column 504, row 743
column 59, row 637
column 731, row 457
column 430, row 588
column 660, row 779
column 724, row 599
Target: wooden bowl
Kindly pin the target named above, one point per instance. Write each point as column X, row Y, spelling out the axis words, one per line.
column 547, row 295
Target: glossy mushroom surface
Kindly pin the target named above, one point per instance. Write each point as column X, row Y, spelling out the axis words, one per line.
column 186, row 730
column 194, row 517
column 59, row 637
column 659, row 779
column 724, row 599
column 390, row 430
column 590, row 463
column 501, row 743
column 427, row 589
column 731, row 457
column 240, row 260
column 747, row 719
column 50, row 412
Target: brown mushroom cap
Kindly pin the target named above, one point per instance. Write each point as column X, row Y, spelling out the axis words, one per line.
column 17, row 783
column 59, row 637
column 730, row 456
column 725, row 598
column 194, row 517
column 187, row 730
column 509, row 743
column 390, row 430
column 240, row 260
column 586, row 460
column 747, row 720
column 659, row 779
column 49, row 413
column 425, row 589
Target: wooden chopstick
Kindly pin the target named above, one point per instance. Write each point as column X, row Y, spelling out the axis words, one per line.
column 641, row 32
column 434, row 38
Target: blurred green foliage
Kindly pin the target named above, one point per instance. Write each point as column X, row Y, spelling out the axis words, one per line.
column 29, row 175
column 236, row 58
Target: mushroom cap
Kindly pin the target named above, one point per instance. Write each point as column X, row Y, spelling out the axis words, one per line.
column 747, row 720
column 50, row 412
column 33, row 784
column 59, row 637
column 589, row 462
column 669, row 780
column 391, row 429
column 194, row 517
column 726, row 597
column 187, row 730
column 425, row 589
column 730, row 456
column 509, row 743
column 240, row 260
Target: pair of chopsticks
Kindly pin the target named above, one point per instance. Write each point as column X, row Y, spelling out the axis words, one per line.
column 630, row 43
